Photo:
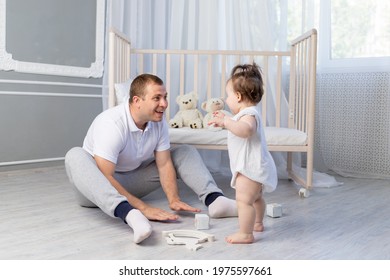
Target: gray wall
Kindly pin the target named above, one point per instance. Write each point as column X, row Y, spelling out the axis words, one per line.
column 43, row 116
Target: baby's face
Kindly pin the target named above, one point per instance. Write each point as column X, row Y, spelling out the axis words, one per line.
column 231, row 98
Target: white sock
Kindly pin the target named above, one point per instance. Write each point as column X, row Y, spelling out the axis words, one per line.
column 223, row 207
column 140, row 225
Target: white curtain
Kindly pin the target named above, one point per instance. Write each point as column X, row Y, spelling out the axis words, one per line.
column 193, row 24
column 201, row 24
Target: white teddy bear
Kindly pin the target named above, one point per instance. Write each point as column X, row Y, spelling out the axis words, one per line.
column 188, row 115
column 210, row 106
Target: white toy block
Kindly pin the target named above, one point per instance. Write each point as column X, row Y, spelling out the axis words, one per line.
column 304, row 192
column 202, row 221
column 274, row 210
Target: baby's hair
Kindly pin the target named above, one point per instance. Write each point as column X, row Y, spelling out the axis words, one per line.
column 247, row 80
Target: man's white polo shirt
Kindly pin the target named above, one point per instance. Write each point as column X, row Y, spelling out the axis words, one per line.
column 114, row 136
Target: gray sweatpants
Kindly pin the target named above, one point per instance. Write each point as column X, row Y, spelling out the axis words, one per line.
column 93, row 189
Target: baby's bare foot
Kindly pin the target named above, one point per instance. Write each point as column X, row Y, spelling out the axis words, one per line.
column 240, row 238
column 259, row 227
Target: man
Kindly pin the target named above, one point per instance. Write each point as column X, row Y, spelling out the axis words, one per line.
column 126, row 155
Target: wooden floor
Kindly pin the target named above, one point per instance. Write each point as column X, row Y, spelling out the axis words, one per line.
column 39, row 219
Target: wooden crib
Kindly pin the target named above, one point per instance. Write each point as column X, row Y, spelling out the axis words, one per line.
column 288, row 115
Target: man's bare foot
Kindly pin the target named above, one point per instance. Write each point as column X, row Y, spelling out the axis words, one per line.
column 240, row 238
column 259, row 227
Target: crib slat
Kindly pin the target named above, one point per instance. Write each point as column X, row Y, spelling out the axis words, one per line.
column 223, row 76
column 196, row 73
column 124, row 68
column 141, row 63
column 168, row 81
column 111, row 66
column 300, row 88
column 128, row 69
column 304, row 83
column 307, row 85
column 264, row 99
column 181, row 74
column 278, row 91
column 292, row 92
column 122, row 54
column 209, row 75
column 154, row 64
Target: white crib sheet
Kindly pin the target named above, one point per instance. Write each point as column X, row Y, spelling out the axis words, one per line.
column 204, row 136
column 276, row 136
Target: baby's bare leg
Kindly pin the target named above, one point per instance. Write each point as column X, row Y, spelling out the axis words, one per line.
column 247, row 192
column 259, row 205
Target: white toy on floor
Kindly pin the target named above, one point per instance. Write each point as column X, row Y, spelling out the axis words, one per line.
column 190, row 238
column 202, row 221
column 274, row 210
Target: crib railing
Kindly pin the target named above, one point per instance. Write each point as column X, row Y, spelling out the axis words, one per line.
column 206, row 72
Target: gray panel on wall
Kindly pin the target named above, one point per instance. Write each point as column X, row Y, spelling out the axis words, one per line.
column 34, row 127
column 52, row 32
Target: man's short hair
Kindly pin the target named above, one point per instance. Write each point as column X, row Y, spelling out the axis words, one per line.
column 139, row 84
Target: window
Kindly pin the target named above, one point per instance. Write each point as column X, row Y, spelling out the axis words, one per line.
column 360, row 28
column 354, row 35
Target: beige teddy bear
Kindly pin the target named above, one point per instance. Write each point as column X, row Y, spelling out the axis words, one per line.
column 210, row 106
column 188, row 115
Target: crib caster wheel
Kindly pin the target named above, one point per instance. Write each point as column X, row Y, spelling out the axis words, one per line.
column 304, row 192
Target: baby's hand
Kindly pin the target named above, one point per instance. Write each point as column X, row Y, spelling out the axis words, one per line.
column 217, row 120
column 218, row 114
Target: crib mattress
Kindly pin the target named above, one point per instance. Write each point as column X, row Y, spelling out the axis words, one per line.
column 276, row 136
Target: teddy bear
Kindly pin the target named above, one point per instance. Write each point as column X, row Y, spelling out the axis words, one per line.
column 210, row 106
column 188, row 114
